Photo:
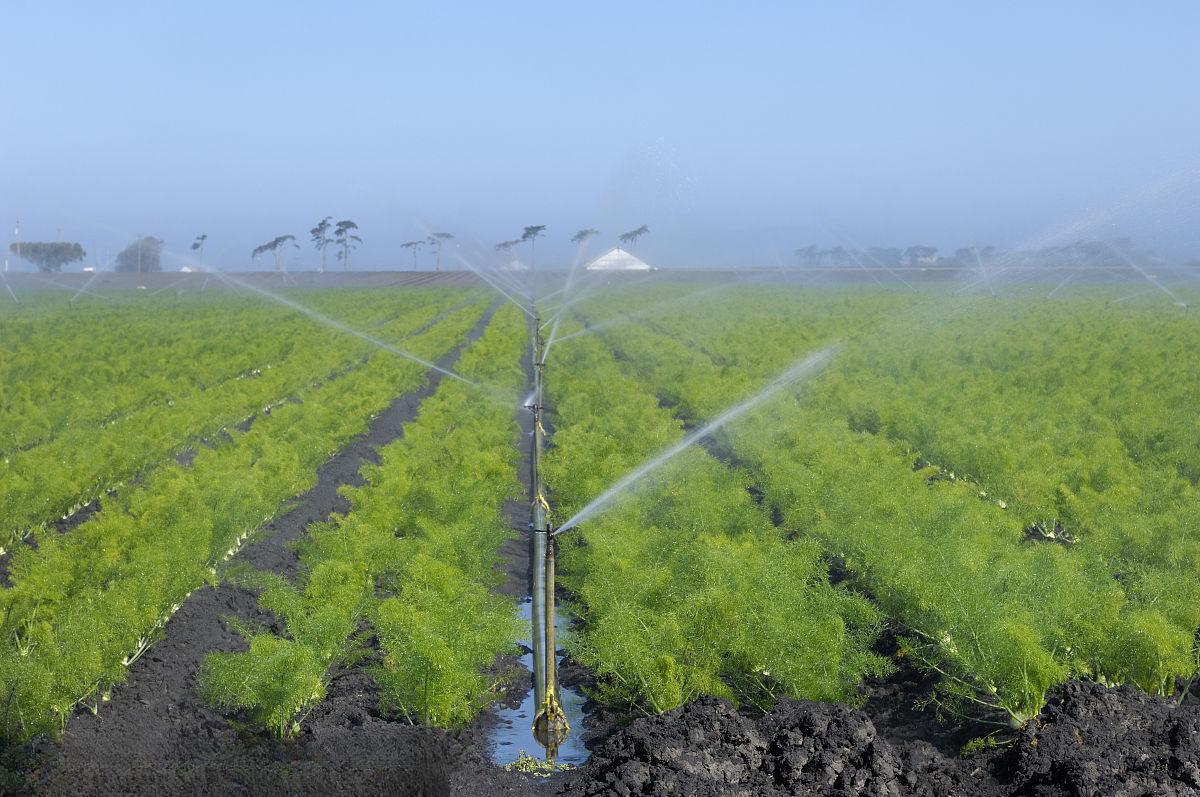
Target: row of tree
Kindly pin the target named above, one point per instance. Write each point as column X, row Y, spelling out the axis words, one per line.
column 326, row 233
column 813, row 256
column 143, row 255
column 435, row 241
column 1095, row 253
column 534, row 231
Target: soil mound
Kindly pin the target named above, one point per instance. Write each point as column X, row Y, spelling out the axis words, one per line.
column 708, row 748
column 1091, row 741
column 1094, row 740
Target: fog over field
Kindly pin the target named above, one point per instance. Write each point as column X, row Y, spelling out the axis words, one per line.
column 577, row 399
column 737, row 136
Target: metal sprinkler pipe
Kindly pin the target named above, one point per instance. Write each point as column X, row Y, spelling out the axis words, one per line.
column 550, row 725
column 537, row 527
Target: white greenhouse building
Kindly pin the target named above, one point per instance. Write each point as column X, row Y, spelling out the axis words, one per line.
column 617, row 259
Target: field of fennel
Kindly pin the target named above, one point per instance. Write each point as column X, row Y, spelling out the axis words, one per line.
column 1011, row 483
column 79, row 606
column 1008, row 488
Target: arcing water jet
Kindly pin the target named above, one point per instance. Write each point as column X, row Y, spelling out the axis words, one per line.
column 338, row 325
column 801, row 370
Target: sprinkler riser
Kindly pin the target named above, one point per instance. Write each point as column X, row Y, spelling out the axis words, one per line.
column 550, row 725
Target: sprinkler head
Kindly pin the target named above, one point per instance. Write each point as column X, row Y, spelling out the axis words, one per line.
column 550, row 727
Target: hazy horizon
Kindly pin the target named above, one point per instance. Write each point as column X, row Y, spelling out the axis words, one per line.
column 736, row 135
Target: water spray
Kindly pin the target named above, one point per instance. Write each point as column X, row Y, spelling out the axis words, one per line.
column 477, row 272
column 657, row 307
column 326, row 320
column 1149, row 277
column 1061, row 285
column 84, row 287
column 10, row 290
column 558, row 316
column 801, row 370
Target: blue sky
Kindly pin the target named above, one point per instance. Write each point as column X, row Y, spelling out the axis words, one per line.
column 736, row 131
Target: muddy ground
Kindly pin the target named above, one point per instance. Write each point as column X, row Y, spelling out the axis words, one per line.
column 155, row 737
column 1091, row 741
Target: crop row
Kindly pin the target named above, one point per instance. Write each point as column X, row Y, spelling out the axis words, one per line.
column 1028, row 408
column 109, row 361
column 1003, row 615
column 84, row 461
column 686, row 588
column 411, row 563
column 83, row 605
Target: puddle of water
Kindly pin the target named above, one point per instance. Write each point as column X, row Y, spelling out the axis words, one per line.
column 513, row 732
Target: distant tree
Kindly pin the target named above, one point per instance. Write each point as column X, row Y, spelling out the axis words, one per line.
column 346, row 240
column 321, row 239
column 414, row 246
column 506, row 247
column 807, row 256
column 276, row 246
column 531, row 234
column 632, row 236
column 583, row 235
column 198, row 246
column 143, row 255
column 839, row 257
column 48, row 256
column 920, row 255
column 436, row 240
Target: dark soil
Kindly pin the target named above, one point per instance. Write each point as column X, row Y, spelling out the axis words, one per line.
column 1091, row 741
column 155, row 735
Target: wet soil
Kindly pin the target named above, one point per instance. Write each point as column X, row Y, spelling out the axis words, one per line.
column 155, row 735
column 1092, row 741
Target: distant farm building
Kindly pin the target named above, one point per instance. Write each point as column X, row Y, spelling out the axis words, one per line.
column 617, row 259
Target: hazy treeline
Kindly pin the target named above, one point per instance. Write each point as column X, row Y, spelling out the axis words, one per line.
column 1117, row 252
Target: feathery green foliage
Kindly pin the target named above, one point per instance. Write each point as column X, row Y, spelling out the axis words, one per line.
column 83, row 605
column 414, row 557
column 680, row 586
column 1078, row 421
